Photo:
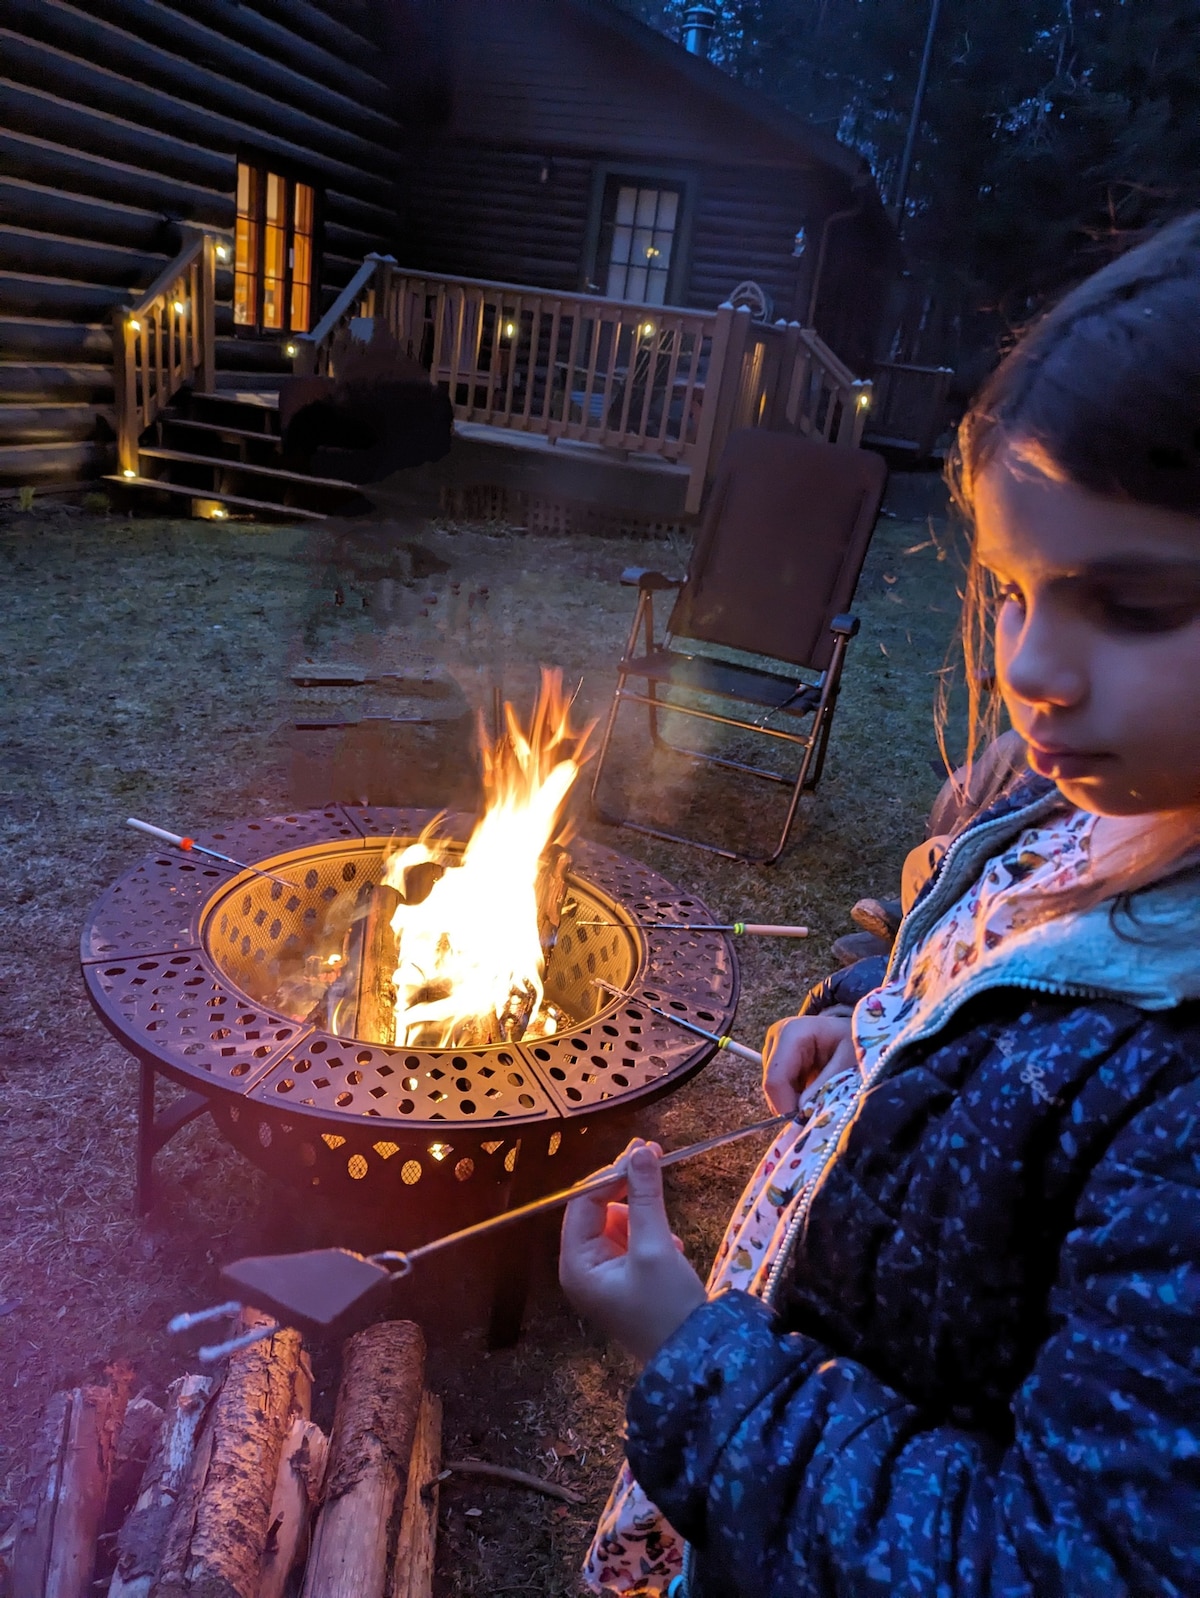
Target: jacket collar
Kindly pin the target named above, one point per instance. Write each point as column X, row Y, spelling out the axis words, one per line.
column 1146, row 955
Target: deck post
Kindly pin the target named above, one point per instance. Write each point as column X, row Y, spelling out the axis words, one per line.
column 125, row 391
column 206, row 376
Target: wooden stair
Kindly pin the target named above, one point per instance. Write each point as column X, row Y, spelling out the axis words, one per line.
column 224, row 448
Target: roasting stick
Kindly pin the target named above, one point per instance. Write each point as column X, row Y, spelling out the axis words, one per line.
column 740, row 929
column 396, row 1263
column 721, row 1041
column 188, row 845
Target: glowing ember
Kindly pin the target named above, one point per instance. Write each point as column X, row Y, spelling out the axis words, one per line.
column 470, row 956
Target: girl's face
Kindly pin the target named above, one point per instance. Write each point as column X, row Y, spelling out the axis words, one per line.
column 1097, row 638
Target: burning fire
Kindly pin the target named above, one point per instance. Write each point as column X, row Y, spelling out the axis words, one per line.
column 471, row 953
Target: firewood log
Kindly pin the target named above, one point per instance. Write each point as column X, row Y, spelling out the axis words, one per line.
column 376, row 992
column 297, row 1491
column 66, row 1490
column 218, row 1533
column 416, row 1543
column 142, row 1537
column 139, row 1434
column 369, row 1452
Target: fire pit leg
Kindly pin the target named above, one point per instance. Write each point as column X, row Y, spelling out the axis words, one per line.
column 155, row 1132
column 518, row 1247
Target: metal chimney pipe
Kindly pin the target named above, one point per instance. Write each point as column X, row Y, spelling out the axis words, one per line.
column 699, row 25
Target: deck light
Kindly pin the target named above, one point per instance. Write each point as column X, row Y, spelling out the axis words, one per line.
column 179, row 307
column 219, row 514
column 222, row 252
column 864, row 401
column 289, row 350
column 509, row 329
column 134, row 325
column 129, row 472
column 647, row 329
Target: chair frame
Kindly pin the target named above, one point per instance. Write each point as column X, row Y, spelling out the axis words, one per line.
column 814, row 742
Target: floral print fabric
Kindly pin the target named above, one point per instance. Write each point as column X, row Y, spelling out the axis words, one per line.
column 1043, row 860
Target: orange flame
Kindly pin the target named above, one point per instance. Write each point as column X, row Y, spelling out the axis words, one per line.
column 473, row 943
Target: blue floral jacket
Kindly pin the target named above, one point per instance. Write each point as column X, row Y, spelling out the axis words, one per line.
column 981, row 1375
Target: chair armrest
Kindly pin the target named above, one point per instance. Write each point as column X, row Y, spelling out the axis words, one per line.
column 650, row 582
column 846, row 626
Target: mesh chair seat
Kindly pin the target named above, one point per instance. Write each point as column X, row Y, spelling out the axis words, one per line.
column 701, row 674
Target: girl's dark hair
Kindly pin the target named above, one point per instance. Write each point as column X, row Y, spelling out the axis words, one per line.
column 1101, row 392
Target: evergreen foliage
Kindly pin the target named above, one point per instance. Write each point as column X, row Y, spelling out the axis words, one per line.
column 1053, row 131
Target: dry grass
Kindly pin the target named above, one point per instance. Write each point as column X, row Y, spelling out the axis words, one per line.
column 147, row 672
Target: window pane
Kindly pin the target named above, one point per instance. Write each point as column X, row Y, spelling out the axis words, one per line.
column 656, row 288
column 635, row 283
column 644, row 248
column 301, row 282
column 274, row 244
column 304, row 209
column 245, row 247
column 615, row 287
column 622, row 238
column 626, row 205
column 668, row 209
column 647, row 205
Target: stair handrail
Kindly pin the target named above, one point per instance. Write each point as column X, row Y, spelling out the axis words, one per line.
column 164, row 340
column 314, row 349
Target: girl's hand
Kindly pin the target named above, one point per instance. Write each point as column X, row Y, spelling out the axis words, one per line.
column 619, row 1264
column 799, row 1053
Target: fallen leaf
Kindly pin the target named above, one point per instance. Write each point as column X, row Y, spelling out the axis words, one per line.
column 472, row 1511
column 888, row 578
column 883, row 649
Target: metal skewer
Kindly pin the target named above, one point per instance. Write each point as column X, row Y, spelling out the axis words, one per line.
column 401, row 1261
column 721, row 1041
column 190, row 846
column 740, row 929
column 404, row 1259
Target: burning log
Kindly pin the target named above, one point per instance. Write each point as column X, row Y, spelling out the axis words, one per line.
column 142, row 1538
column 66, row 1490
column 217, row 1536
column 297, row 1490
column 369, row 1456
column 551, row 894
column 376, row 1021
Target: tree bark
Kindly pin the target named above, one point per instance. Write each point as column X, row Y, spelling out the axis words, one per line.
column 140, row 1544
column 215, row 1542
column 297, row 1492
column 369, row 1454
column 416, row 1542
column 67, row 1488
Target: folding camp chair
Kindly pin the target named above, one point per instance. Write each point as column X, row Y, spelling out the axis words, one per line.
column 774, row 570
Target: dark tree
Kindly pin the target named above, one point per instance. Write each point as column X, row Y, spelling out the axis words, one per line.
column 1053, row 132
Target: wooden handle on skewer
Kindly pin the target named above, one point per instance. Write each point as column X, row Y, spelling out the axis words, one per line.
column 155, row 832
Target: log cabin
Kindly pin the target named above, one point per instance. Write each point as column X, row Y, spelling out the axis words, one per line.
column 247, row 171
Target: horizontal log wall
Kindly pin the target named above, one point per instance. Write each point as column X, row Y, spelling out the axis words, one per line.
column 485, row 213
column 121, row 122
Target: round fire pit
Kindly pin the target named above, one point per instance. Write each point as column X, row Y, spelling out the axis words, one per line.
column 193, row 968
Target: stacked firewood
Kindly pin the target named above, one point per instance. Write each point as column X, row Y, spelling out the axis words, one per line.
column 230, row 1490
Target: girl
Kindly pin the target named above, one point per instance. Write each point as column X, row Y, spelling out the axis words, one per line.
column 967, row 1361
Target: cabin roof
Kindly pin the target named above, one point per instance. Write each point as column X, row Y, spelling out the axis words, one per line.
column 584, row 76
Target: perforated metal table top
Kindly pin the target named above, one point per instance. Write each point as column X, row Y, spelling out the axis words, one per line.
column 168, row 958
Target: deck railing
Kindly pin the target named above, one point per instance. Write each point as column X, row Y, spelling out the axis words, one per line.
column 910, row 410
column 164, row 340
column 641, row 380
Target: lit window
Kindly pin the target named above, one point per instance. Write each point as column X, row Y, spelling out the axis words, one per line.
column 274, row 251
column 638, row 229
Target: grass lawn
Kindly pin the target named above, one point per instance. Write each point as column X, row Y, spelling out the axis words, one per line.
column 146, row 672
